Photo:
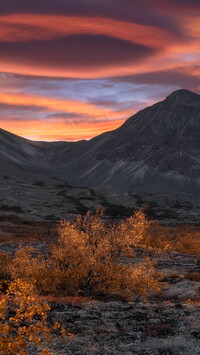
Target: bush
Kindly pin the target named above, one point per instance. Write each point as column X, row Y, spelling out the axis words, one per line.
column 88, row 259
column 22, row 320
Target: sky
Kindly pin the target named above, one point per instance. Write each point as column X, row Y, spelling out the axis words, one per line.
column 72, row 69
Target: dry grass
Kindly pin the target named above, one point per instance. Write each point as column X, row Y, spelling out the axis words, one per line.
column 193, row 276
column 66, row 300
column 16, row 230
column 184, row 238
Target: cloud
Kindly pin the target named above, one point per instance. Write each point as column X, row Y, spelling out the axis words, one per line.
column 176, row 76
column 84, row 66
column 26, row 27
column 126, row 10
column 55, row 104
column 87, row 47
column 16, row 107
column 74, row 52
column 48, row 130
column 184, row 5
column 71, row 118
column 77, row 50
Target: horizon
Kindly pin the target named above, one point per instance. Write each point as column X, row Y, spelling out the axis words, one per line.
column 52, row 141
column 74, row 70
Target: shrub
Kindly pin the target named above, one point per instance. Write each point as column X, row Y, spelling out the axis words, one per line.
column 88, row 259
column 184, row 239
column 22, row 320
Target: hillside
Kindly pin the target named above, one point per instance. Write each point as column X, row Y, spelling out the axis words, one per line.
column 158, row 149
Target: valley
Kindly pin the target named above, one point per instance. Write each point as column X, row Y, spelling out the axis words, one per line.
column 144, row 179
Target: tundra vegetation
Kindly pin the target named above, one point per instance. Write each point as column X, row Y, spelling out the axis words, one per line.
column 91, row 257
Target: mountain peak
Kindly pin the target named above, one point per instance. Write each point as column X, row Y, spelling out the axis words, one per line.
column 183, row 95
column 157, row 149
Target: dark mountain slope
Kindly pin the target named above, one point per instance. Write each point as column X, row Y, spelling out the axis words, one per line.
column 158, row 149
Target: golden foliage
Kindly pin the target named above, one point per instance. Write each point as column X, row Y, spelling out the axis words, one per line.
column 88, row 259
column 184, row 239
column 22, row 320
column 188, row 243
column 139, row 232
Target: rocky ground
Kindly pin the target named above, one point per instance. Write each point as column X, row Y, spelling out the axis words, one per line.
column 168, row 324
column 165, row 325
column 34, row 196
column 168, row 328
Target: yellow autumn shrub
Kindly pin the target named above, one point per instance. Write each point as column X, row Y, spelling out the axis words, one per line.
column 187, row 242
column 92, row 257
column 23, row 320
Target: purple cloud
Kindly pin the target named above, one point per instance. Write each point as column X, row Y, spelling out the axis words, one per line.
column 75, row 51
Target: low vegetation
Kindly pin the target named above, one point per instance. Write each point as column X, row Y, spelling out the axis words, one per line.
column 90, row 257
column 23, row 321
column 93, row 257
column 186, row 240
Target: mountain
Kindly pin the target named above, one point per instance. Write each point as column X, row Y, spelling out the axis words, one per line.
column 157, row 149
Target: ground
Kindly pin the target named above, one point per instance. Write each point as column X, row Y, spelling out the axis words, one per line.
column 37, row 197
column 119, row 328
column 168, row 324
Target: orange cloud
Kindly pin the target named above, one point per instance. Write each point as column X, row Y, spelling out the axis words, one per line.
column 95, row 120
column 192, row 26
column 138, row 50
column 51, row 131
column 53, row 104
column 25, row 27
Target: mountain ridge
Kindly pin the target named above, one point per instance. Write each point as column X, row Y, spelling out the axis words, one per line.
column 157, row 149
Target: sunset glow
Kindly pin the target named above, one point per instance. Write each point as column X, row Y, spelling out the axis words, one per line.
column 72, row 70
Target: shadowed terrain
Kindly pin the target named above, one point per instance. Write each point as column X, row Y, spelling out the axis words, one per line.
column 157, row 149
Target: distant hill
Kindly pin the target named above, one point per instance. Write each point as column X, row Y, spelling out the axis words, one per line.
column 157, row 149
